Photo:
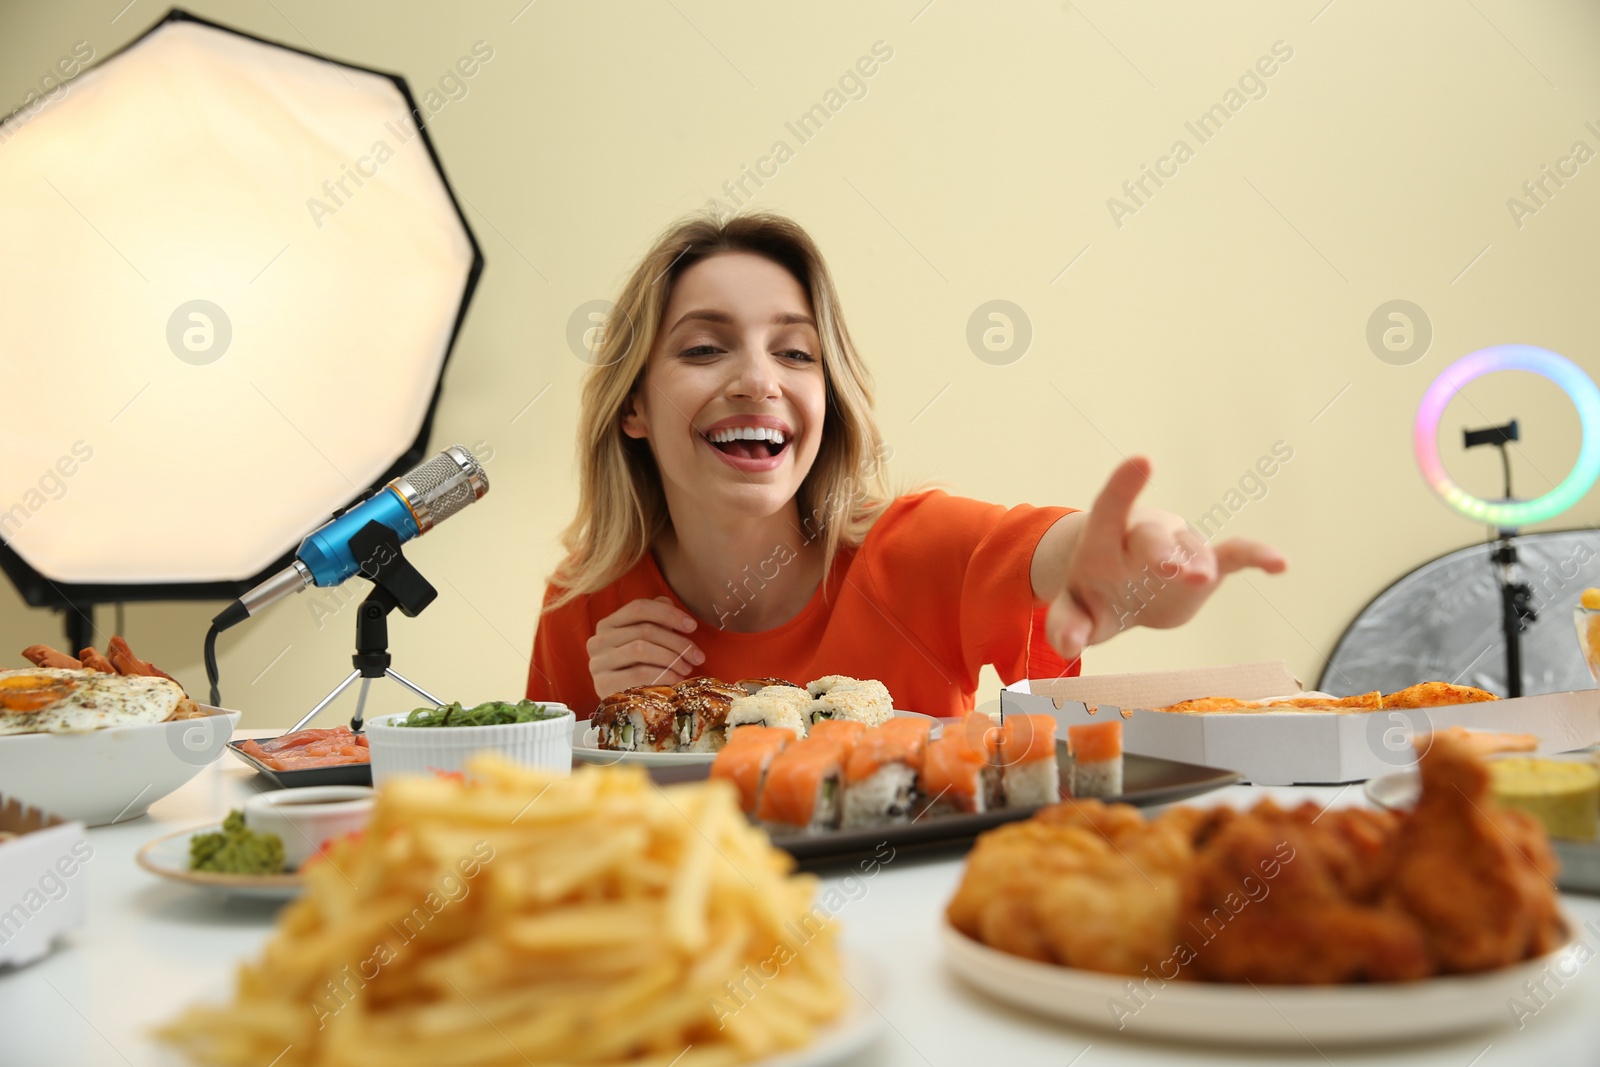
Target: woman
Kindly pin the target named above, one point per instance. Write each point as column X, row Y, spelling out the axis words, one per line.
column 734, row 518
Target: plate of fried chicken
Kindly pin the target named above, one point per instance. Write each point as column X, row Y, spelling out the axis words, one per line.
column 1272, row 925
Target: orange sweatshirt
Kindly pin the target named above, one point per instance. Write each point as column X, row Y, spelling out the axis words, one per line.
column 939, row 587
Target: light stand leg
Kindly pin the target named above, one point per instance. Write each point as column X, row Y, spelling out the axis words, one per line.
column 325, row 701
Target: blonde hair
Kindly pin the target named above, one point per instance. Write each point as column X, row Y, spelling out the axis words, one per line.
column 622, row 508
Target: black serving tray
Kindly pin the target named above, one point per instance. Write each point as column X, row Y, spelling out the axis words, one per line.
column 1146, row 781
column 347, row 774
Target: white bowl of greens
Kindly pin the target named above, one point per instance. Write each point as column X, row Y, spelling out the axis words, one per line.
column 433, row 740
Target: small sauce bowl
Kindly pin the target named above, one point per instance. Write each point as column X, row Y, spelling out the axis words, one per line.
column 305, row 818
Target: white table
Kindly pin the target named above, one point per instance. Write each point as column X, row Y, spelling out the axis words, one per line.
column 150, row 947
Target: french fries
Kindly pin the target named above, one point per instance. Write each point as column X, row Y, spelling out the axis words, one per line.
column 519, row 918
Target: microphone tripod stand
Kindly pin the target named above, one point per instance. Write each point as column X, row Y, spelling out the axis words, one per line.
column 395, row 584
column 1516, row 597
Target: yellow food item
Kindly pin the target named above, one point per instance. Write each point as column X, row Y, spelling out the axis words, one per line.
column 1564, row 795
column 518, row 917
column 1590, row 599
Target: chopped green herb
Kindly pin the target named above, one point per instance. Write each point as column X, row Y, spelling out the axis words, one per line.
column 494, row 713
column 236, row 849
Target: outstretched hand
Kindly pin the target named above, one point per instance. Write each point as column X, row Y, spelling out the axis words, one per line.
column 1138, row 566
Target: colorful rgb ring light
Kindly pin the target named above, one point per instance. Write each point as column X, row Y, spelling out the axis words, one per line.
column 1578, row 386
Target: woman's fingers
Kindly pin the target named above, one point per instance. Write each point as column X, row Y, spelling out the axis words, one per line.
column 660, row 611
column 1237, row 553
column 642, row 643
column 1107, row 525
column 648, row 635
column 652, row 650
column 1162, row 552
column 1068, row 627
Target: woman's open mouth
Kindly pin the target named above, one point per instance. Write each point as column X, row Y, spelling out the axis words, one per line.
column 748, row 448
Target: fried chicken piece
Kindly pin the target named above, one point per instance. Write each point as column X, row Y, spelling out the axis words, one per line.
column 125, row 662
column 1117, row 916
column 1267, row 902
column 1083, row 884
column 94, row 661
column 1112, row 821
column 1475, row 876
column 1005, row 872
column 45, row 656
column 1436, row 695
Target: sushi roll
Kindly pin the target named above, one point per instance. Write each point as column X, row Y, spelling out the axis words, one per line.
column 642, row 719
column 803, row 788
column 747, row 756
column 881, row 776
column 829, row 681
column 702, row 712
column 1027, row 756
column 844, row 732
column 775, row 705
column 1096, row 758
column 755, row 685
column 958, row 776
column 839, row 697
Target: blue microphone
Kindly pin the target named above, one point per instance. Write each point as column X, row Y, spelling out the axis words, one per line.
column 410, row 505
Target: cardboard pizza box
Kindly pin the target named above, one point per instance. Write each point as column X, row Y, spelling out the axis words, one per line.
column 1287, row 747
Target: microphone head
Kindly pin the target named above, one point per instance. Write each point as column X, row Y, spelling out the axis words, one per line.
column 442, row 486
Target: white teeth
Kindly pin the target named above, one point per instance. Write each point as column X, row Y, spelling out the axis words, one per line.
column 745, row 433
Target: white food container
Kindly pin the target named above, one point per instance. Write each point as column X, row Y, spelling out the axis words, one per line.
column 545, row 744
column 1287, row 747
column 304, row 818
column 43, row 890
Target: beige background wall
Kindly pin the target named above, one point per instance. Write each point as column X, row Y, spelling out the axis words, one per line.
column 1225, row 314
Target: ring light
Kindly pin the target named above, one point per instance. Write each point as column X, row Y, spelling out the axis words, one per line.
column 1578, row 386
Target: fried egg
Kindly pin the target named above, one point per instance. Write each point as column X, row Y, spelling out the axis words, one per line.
column 57, row 701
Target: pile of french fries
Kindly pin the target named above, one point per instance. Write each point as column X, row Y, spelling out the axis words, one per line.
column 518, row 918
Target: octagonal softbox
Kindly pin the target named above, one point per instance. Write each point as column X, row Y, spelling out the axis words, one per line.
column 233, row 272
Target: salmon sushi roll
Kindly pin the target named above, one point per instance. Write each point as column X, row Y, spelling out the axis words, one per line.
column 803, row 788
column 747, row 757
column 958, row 776
column 882, row 775
column 844, row 732
column 1096, row 758
column 1030, row 775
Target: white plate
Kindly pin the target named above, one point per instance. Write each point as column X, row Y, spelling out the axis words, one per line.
column 169, row 857
column 1247, row 1014
column 585, row 747
column 1397, row 791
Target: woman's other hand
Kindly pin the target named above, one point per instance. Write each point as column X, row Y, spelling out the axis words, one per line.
column 642, row 643
column 1131, row 565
